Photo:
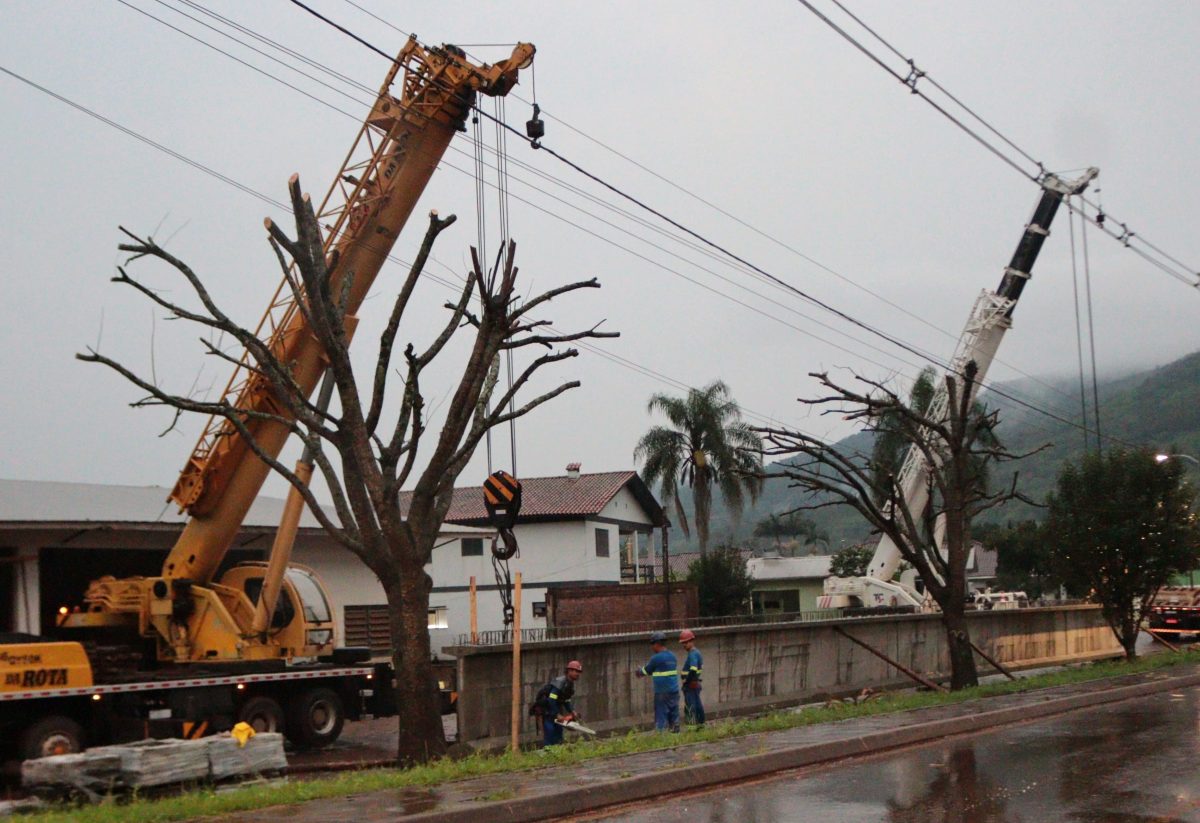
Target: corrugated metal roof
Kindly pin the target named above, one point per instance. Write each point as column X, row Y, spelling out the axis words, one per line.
column 557, row 497
column 789, row 568
column 38, row 501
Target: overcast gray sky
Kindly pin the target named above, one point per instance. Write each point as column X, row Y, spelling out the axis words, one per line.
column 758, row 108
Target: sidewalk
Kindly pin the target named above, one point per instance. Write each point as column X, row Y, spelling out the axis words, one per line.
column 555, row 792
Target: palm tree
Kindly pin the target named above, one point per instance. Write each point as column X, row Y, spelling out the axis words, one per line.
column 706, row 444
column 892, row 445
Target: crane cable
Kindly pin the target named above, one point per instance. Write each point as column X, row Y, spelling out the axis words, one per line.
column 1087, row 282
column 505, row 237
column 718, row 248
column 504, row 545
column 481, row 231
column 1078, row 329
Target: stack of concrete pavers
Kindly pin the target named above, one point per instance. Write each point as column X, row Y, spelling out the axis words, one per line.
column 148, row 763
column 262, row 754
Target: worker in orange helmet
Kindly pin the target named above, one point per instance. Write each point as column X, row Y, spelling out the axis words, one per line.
column 693, row 666
column 553, row 704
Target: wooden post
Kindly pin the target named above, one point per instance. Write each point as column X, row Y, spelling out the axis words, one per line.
column 1163, row 640
column 922, row 680
column 516, row 665
column 474, row 614
column 666, row 569
column 993, row 661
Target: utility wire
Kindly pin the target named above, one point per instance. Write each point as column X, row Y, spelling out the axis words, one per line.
column 922, row 355
column 799, row 292
column 917, row 74
column 626, row 213
column 549, row 114
column 1078, row 328
column 248, row 190
column 480, row 219
column 1189, row 275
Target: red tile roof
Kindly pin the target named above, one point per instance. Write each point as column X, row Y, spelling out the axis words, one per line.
column 554, row 498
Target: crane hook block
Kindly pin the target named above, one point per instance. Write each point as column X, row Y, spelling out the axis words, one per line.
column 502, row 498
column 535, row 128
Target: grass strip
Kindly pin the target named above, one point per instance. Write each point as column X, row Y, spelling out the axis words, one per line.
column 207, row 802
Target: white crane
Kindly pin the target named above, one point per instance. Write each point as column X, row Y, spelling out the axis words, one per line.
column 990, row 318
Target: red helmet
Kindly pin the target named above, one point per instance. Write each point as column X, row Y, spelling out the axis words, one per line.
column 686, row 635
column 576, row 665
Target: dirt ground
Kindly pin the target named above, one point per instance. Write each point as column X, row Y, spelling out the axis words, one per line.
column 362, row 742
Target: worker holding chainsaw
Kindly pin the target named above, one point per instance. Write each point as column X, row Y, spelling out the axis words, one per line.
column 553, row 704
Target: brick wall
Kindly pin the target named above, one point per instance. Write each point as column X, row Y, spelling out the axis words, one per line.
column 631, row 605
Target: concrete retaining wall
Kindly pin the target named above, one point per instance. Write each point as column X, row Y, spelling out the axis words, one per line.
column 756, row 666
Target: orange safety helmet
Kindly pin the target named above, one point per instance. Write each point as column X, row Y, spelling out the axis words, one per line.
column 686, row 635
column 576, row 665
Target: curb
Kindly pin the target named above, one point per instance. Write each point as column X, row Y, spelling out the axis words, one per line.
column 578, row 799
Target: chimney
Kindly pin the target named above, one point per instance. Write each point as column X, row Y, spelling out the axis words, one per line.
column 573, row 471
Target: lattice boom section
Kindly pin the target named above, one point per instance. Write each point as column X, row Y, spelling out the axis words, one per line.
column 438, row 85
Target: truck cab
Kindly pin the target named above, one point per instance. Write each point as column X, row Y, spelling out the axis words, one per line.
column 302, row 625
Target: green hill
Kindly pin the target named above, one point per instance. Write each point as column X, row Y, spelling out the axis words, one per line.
column 1158, row 408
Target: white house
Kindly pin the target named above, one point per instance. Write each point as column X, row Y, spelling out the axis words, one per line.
column 573, row 529
column 55, row 538
column 787, row 584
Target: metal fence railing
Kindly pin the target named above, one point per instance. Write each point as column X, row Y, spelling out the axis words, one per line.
column 632, row 627
column 500, row 637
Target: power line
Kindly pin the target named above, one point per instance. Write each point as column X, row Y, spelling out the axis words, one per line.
column 265, row 198
column 799, row 329
column 999, row 392
column 1189, row 275
column 624, row 212
column 799, row 292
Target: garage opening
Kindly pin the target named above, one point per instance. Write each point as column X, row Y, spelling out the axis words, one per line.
column 66, row 572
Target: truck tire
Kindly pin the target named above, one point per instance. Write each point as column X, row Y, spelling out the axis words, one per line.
column 51, row 735
column 315, row 718
column 264, row 714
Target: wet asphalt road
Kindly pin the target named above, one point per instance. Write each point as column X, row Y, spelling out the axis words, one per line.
column 1132, row 762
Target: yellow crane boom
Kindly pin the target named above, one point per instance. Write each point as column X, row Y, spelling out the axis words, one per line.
column 423, row 101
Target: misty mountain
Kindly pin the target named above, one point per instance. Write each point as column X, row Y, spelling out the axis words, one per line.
column 1158, row 408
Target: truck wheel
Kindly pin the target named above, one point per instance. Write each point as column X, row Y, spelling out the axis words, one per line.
column 315, row 718
column 264, row 714
column 50, row 736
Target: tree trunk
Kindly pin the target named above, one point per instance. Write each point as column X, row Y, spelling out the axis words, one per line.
column 422, row 737
column 1128, row 637
column 963, row 674
column 703, row 501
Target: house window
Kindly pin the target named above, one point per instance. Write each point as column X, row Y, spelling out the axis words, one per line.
column 601, row 542
column 472, row 547
column 539, row 609
column 776, row 602
column 438, row 618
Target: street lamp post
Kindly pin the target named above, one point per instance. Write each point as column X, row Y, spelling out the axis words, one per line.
column 1163, row 458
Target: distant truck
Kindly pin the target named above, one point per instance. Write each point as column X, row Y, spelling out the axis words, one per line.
column 1176, row 610
column 987, row 600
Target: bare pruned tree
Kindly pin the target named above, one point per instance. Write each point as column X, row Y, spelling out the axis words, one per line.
column 955, row 448
column 363, row 461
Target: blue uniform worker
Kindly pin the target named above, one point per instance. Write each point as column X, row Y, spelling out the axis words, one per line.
column 663, row 670
column 557, row 705
column 693, row 667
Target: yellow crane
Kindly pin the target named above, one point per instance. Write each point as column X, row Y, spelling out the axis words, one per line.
column 190, row 616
